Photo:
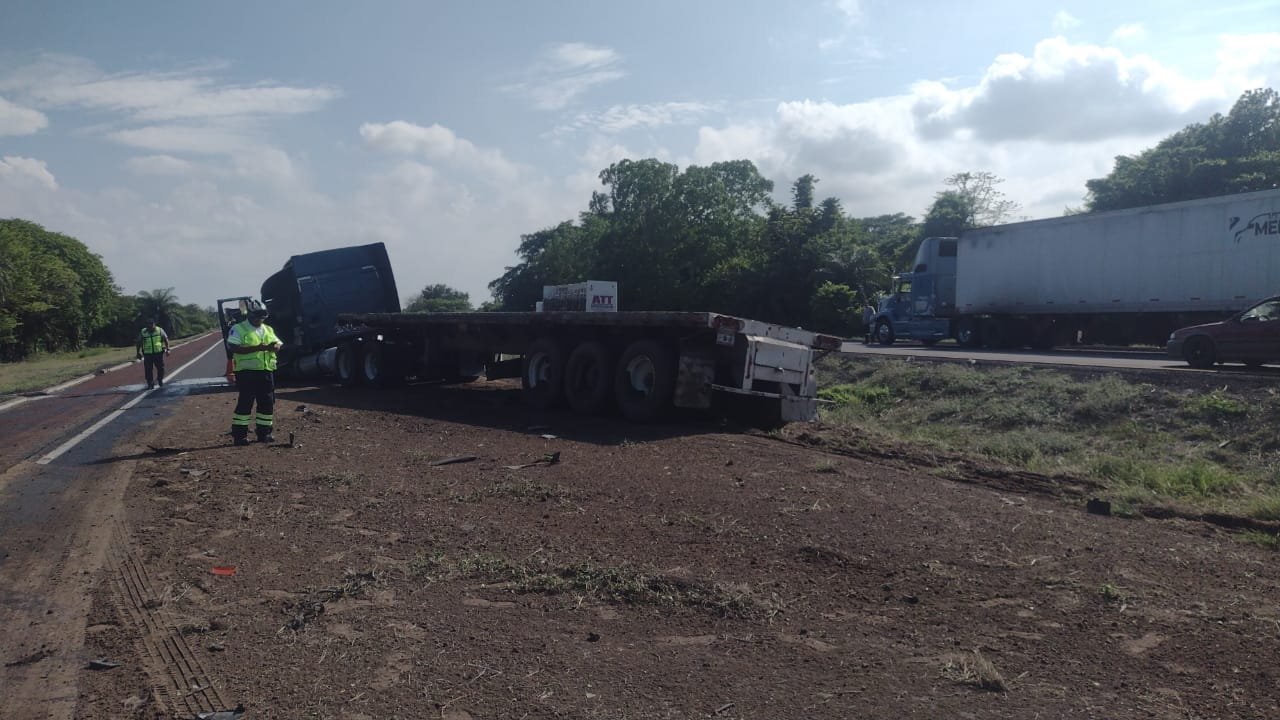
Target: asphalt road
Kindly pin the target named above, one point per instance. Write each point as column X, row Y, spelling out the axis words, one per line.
column 1118, row 359
column 61, row 487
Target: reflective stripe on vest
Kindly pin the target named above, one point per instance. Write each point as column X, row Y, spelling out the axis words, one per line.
column 152, row 342
column 249, row 336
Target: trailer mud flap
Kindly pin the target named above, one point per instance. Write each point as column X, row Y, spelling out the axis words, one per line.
column 693, row 383
column 799, row 409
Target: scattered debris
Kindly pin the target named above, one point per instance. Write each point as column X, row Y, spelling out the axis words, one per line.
column 1098, row 507
column 550, row 458
column 550, row 437
column 233, row 714
column 454, row 460
column 291, row 439
column 164, row 450
column 31, row 659
column 101, row 664
column 217, row 647
column 192, row 472
column 300, row 408
column 724, row 707
column 593, row 637
column 223, row 570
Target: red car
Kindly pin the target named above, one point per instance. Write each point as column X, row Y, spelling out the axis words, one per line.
column 1252, row 338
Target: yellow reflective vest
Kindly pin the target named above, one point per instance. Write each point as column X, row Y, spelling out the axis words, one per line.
column 151, row 342
column 250, row 336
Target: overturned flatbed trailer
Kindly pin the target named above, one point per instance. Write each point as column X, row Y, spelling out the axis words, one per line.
column 641, row 363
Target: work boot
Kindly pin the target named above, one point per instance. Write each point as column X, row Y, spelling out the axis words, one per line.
column 266, row 438
column 242, row 441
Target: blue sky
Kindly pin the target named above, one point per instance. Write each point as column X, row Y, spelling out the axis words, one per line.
column 198, row 145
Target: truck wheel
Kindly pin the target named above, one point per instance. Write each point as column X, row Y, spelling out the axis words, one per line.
column 967, row 334
column 1199, row 353
column 884, row 333
column 587, row 378
column 344, row 362
column 644, row 381
column 376, row 366
column 542, row 374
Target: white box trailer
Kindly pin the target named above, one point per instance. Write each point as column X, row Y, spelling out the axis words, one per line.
column 1120, row 277
column 1217, row 255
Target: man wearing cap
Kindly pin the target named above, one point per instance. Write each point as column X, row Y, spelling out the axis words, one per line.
column 254, row 345
column 153, row 345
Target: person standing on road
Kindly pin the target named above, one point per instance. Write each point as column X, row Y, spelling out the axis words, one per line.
column 153, row 345
column 868, row 317
column 254, row 346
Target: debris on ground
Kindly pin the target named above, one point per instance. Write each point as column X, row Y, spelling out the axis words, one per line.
column 101, row 665
column 454, row 460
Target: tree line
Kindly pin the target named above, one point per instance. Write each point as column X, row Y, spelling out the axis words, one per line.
column 56, row 295
column 712, row 238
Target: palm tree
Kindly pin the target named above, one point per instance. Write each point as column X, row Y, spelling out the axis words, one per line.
column 161, row 304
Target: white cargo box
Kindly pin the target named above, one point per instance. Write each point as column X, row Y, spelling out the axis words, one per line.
column 590, row 296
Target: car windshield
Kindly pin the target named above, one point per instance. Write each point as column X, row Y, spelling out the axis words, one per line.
column 1262, row 312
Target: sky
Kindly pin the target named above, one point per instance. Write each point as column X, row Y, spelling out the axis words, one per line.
column 198, row 145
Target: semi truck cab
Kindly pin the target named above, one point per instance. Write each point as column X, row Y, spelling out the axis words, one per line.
column 923, row 301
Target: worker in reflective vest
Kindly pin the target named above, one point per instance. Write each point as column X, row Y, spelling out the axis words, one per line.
column 153, row 345
column 254, row 346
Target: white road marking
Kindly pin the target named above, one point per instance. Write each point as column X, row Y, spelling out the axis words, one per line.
column 64, row 447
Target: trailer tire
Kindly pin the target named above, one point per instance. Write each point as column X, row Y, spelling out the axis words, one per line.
column 967, row 333
column 344, row 363
column 884, row 333
column 377, row 366
column 588, row 376
column 645, row 381
column 1199, row 352
column 542, row 374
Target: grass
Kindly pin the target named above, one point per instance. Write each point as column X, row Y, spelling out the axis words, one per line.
column 614, row 584
column 974, row 670
column 1150, row 440
column 47, row 370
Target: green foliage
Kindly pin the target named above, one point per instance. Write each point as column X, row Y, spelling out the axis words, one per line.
column 1232, row 154
column 440, row 298
column 972, row 202
column 54, row 293
column 1215, row 406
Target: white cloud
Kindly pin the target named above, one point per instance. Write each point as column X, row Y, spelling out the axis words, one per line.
column 201, row 139
column 1064, row 21
column 1064, row 92
column 620, row 118
column 564, row 72
column 18, row 120
column 23, row 171
column 440, row 144
column 158, row 165
column 1131, row 31
column 850, row 9
column 60, row 81
column 1045, row 123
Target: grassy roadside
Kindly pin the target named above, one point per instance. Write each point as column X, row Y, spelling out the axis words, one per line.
column 51, row 369
column 1201, row 443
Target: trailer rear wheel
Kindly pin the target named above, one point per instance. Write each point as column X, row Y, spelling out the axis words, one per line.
column 967, row 333
column 542, row 374
column 377, row 367
column 344, row 362
column 1199, row 353
column 645, row 381
column 993, row 333
column 588, row 378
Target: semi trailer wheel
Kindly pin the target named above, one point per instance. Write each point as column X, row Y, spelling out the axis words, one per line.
column 645, row 381
column 967, row 333
column 378, row 367
column 344, row 362
column 588, row 378
column 542, row 374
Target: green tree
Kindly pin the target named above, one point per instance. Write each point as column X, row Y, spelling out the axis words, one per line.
column 440, row 298
column 161, row 304
column 1236, row 153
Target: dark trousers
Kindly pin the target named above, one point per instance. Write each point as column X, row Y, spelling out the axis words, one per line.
column 256, row 386
column 156, row 361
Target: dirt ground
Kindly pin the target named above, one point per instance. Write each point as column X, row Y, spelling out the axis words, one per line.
column 688, row 570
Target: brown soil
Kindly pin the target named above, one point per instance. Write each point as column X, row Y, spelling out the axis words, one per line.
column 682, row 571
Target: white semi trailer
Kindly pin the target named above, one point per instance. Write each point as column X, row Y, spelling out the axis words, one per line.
column 1122, row 277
